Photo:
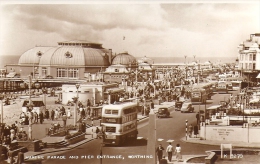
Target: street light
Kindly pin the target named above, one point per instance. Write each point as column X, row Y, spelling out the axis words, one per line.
column 76, row 104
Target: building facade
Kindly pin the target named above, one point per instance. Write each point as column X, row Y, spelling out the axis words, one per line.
column 249, row 57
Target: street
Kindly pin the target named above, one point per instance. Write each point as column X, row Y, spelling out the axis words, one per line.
column 167, row 128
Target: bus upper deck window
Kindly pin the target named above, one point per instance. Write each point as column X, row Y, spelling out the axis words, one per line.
column 114, row 111
column 107, row 111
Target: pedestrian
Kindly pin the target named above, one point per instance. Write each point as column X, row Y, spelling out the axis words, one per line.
column 190, row 130
column 64, row 119
column 196, row 130
column 82, row 113
column 56, row 114
column 97, row 132
column 198, row 118
column 142, row 110
column 169, row 150
column 163, row 161
column 83, row 127
column 41, row 117
column 52, row 114
column 159, row 151
column 178, row 152
column 47, row 114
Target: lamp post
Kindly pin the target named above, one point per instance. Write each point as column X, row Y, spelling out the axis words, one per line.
column 76, row 104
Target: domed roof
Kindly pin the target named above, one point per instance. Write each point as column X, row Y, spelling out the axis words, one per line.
column 124, row 59
column 33, row 56
column 66, row 55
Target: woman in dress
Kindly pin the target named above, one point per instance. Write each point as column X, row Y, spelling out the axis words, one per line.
column 178, row 152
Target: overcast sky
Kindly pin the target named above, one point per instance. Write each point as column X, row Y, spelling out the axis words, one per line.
column 150, row 29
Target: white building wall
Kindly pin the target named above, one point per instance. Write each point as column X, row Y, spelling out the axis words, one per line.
column 230, row 133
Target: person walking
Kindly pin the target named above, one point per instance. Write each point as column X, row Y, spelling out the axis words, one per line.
column 169, row 150
column 52, row 114
column 190, row 130
column 64, row 119
column 163, row 161
column 159, row 151
column 41, row 117
column 97, row 132
column 47, row 114
column 178, row 152
column 198, row 118
column 152, row 105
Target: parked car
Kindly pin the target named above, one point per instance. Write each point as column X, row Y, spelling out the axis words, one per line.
column 187, row 107
column 178, row 105
column 163, row 112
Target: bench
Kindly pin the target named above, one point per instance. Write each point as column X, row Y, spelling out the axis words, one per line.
column 211, row 158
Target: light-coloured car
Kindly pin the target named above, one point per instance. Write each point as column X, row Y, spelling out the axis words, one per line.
column 187, row 107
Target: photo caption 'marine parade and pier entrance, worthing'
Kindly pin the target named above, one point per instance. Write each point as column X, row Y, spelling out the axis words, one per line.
column 168, row 89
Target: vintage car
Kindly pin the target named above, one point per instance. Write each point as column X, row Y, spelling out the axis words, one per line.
column 187, row 107
column 163, row 112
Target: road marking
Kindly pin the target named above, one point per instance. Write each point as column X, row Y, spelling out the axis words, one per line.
column 160, row 139
column 170, row 141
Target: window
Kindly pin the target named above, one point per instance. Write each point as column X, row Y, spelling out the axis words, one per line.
column 254, row 56
column 68, row 72
column 44, row 71
column 253, row 66
column 113, row 112
column 250, row 57
column 250, row 66
column 116, row 70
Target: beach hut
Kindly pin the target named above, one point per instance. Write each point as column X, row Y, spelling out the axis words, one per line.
column 37, row 106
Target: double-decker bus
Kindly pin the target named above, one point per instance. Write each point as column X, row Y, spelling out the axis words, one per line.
column 201, row 92
column 222, row 87
column 119, row 122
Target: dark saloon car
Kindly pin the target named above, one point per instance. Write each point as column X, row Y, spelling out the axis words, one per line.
column 178, row 105
column 163, row 112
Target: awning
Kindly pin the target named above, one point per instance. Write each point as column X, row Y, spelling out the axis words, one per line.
column 11, row 74
column 258, row 76
column 254, row 100
column 114, row 90
column 213, row 107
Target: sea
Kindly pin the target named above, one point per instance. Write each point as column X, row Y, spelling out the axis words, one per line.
column 10, row 59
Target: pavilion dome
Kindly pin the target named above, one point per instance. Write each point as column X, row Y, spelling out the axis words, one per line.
column 67, row 53
column 123, row 59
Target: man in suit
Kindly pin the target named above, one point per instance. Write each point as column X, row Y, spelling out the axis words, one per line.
column 159, row 151
column 163, row 160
